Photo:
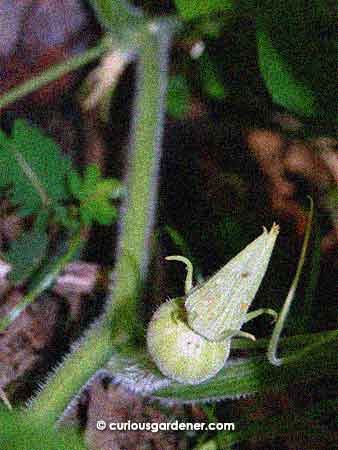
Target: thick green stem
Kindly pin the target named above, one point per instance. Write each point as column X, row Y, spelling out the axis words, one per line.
column 145, row 152
column 92, row 352
column 52, row 74
column 46, row 281
column 96, row 348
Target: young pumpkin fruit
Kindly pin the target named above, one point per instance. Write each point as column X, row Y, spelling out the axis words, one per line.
column 189, row 338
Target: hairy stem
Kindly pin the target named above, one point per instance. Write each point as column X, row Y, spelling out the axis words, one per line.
column 52, row 74
column 117, row 325
column 145, row 153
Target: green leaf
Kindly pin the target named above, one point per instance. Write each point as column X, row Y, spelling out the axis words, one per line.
column 46, row 276
column 192, row 9
column 32, row 166
column 95, row 194
column 284, row 88
column 304, row 36
column 97, row 210
column 18, row 433
column 67, row 217
column 178, row 96
column 210, row 445
column 210, row 79
column 90, row 179
column 41, row 220
column 120, row 18
column 210, row 27
column 26, row 254
column 75, row 183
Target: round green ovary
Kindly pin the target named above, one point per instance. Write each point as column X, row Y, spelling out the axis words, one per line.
column 179, row 352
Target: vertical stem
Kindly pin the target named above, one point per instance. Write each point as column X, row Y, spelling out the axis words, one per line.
column 304, row 322
column 145, row 154
column 96, row 348
column 273, row 344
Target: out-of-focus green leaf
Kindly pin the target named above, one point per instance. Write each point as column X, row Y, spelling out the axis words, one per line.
column 284, row 88
column 117, row 15
column 209, row 26
column 179, row 241
column 67, row 217
column 126, row 23
column 210, row 445
column 26, row 254
column 75, row 183
column 95, row 195
column 304, row 37
column 90, row 180
column 210, row 79
column 33, row 168
column 191, row 9
column 42, row 219
column 178, row 96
